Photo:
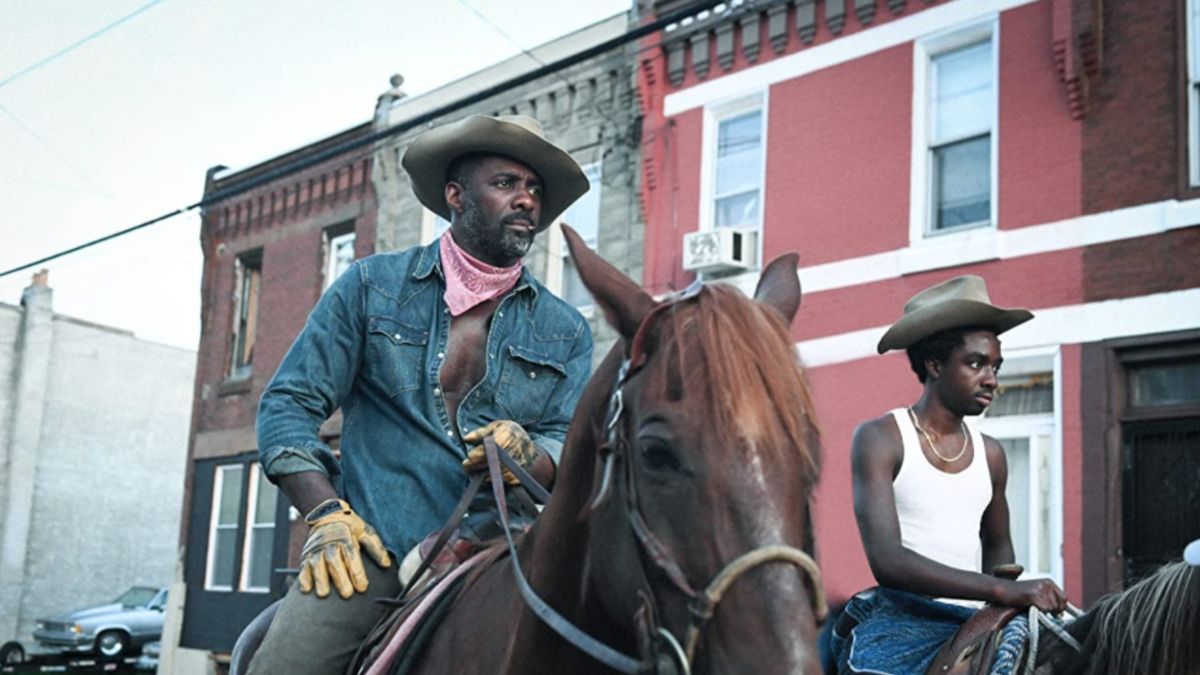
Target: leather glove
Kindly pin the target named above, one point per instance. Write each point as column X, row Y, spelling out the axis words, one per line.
column 335, row 535
column 511, row 438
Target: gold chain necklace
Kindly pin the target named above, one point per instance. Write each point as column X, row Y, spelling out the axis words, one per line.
column 933, row 447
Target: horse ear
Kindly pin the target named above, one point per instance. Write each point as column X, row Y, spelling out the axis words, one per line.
column 779, row 286
column 625, row 304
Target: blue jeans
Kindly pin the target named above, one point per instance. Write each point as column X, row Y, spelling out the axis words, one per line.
column 884, row 630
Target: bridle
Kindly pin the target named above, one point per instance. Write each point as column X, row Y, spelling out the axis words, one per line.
column 661, row 651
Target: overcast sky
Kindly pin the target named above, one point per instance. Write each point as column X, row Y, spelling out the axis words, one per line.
column 121, row 128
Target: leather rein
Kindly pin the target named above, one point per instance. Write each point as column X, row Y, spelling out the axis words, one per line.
column 661, row 652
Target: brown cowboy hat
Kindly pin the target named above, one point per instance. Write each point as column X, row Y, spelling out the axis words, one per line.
column 515, row 136
column 961, row 301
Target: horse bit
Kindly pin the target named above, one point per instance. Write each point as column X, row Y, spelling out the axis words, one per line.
column 702, row 604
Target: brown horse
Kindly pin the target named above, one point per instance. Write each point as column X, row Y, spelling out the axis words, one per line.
column 691, row 447
column 1152, row 627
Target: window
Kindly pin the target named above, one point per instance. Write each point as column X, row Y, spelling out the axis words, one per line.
column 1024, row 419
column 241, row 536
column 228, row 487
column 247, row 280
column 432, row 226
column 738, row 170
column 954, row 138
column 260, row 533
column 584, row 216
column 339, row 252
column 1193, row 70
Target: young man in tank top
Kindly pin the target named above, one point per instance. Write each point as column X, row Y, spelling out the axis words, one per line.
column 929, row 492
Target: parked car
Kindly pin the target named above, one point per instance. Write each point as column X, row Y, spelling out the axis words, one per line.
column 112, row 629
column 149, row 657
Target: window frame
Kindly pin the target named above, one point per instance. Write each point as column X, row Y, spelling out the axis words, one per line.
column 556, row 266
column 214, row 524
column 252, row 262
column 250, row 527
column 332, row 236
column 1029, row 362
column 1192, row 56
column 714, row 115
column 921, row 192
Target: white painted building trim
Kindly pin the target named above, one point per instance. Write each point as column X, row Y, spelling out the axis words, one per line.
column 1068, row 324
column 980, row 245
column 757, row 78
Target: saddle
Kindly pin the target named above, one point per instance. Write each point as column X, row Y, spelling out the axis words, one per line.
column 971, row 650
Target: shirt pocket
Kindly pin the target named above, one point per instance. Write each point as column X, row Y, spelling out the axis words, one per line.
column 395, row 354
column 527, row 381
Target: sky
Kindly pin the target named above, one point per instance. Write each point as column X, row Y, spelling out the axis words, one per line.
column 121, row 128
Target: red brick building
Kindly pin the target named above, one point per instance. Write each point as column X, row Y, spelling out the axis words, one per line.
column 271, row 247
column 1047, row 145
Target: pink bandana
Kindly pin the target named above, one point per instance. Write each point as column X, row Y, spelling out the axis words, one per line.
column 470, row 282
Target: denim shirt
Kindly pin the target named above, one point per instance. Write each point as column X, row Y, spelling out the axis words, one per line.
column 374, row 346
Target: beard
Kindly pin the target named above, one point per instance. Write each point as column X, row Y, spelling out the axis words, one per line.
column 493, row 242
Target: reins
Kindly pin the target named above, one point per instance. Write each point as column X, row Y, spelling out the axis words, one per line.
column 701, row 604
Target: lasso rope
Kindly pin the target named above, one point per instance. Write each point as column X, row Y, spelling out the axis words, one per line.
column 1036, row 619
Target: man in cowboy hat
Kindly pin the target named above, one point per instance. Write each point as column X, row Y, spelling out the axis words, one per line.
column 426, row 351
column 929, row 491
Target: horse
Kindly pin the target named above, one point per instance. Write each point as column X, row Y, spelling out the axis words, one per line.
column 677, row 539
column 1151, row 627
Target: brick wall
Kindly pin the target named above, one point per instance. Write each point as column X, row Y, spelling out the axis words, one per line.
column 1130, row 133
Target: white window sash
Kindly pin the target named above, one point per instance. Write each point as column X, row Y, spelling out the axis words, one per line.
column 214, row 527
column 331, row 258
column 1030, row 361
column 922, row 216
column 252, row 528
column 714, row 115
column 1192, row 21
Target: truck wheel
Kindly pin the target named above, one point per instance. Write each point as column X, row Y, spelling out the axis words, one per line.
column 112, row 643
column 12, row 653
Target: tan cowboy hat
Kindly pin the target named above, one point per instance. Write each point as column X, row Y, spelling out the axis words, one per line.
column 961, row 301
column 515, row 136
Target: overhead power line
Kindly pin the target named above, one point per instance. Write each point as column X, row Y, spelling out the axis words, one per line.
column 334, row 151
column 77, row 44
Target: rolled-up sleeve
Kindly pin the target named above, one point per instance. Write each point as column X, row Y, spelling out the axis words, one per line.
column 313, row 379
column 550, row 431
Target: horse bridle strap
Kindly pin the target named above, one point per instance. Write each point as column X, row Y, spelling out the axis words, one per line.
column 705, row 603
column 555, row 621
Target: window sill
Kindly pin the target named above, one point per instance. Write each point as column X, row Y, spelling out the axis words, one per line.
column 232, row 387
column 951, row 249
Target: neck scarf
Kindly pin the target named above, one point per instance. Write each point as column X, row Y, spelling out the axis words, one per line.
column 470, row 282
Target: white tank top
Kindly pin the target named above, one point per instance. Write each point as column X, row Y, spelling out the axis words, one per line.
column 940, row 512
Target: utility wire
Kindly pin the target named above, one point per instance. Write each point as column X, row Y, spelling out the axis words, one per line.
column 50, row 148
column 78, row 43
column 416, row 121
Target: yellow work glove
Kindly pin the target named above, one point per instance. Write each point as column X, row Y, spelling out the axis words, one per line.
column 332, row 550
column 511, row 438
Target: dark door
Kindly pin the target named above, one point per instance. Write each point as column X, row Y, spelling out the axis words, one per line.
column 1161, row 492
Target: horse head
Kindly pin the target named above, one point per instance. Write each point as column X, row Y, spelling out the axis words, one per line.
column 703, row 455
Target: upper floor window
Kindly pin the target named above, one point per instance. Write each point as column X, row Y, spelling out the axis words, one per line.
column 432, row 226
column 584, row 217
column 738, row 169
column 1193, row 72
column 247, row 282
column 955, row 140
column 339, row 252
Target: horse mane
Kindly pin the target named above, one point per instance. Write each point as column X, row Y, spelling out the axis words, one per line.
column 754, row 377
column 1152, row 626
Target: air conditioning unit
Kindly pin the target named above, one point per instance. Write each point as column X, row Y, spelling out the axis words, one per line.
column 722, row 249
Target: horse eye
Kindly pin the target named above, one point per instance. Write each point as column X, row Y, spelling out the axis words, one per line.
column 658, row 457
